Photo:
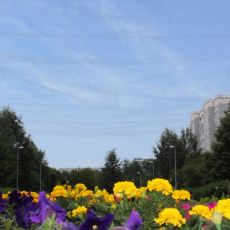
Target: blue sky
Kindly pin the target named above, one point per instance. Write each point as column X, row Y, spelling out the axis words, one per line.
column 88, row 76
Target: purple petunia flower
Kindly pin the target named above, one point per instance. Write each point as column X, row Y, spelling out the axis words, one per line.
column 2, row 204
column 102, row 223
column 132, row 223
column 23, row 214
column 68, row 226
column 15, row 197
column 24, row 210
column 47, row 208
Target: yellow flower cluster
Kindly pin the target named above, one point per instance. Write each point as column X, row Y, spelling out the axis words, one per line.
column 108, row 197
column 77, row 190
column 59, row 191
column 141, row 192
column 35, row 196
column 170, row 216
column 4, row 196
column 80, row 209
column 202, row 210
column 85, row 193
column 224, row 207
column 69, row 188
column 181, row 195
column 125, row 186
column 160, row 185
column 81, row 187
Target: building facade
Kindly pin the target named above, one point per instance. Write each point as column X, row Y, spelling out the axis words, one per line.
column 203, row 123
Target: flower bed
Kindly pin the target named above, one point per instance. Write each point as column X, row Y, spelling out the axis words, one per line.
column 156, row 206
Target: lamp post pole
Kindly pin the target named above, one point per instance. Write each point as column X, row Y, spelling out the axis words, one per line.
column 140, row 178
column 173, row 147
column 153, row 167
column 40, row 176
column 21, row 147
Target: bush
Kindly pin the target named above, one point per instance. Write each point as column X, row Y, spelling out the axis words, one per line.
column 5, row 190
column 216, row 189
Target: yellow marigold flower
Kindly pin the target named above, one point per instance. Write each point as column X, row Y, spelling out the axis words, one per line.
column 35, row 196
column 113, row 206
column 69, row 188
column 24, row 192
column 224, row 207
column 85, row 193
column 80, row 209
column 181, row 195
column 81, row 187
column 160, row 185
column 170, row 216
column 53, row 198
column 127, row 187
column 59, row 191
column 98, row 193
column 58, row 187
column 4, row 196
column 73, row 193
column 201, row 210
column 109, row 198
column 138, row 193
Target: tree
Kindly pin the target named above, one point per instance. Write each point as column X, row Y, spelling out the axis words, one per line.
column 165, row 155
column 85, row 176
column 111, row 172
column 129, row 171
column 13, row 135
column 190, row 143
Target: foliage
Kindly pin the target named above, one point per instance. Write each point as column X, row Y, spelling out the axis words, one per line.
column 165, row 155
column 129, row 172
column 13, row 135
column 215, row 188
column 111, row 172
column 172, row 211
column 85, row 176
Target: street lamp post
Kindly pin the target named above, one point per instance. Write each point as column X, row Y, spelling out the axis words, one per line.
column 20, row 147
column 173, row 147
column 140, row 178
column 153, row 167
column 40, row 176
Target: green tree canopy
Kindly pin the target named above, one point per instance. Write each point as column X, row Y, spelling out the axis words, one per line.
column 13, row 135
column 111, row 172
column 85, row 176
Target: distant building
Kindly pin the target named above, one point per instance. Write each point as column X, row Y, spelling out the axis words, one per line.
column 70, row 169
column 203, row 123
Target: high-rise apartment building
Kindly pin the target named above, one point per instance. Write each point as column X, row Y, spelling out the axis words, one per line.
column 203, row 123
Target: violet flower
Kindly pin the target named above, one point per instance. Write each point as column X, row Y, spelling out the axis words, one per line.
column 2, row 204
column 132, row 223
column 68, row 226
column 47, row 208
column 94, row 222
column 23, row 214
column 15, row 197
